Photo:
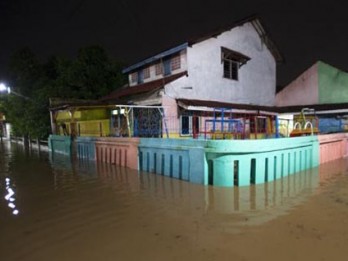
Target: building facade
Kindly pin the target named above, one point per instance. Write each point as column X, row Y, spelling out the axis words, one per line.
column 323, row 89
column 232, row 68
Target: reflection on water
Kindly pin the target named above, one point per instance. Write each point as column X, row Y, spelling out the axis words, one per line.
column 80, row 210
column 10, row 196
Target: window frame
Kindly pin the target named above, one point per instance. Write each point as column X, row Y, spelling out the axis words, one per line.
column 191, row 118
column 159, row 68
column 232, row 72
column 134, row 77
column 146, row 73
column 175, row 62
column 232, row 61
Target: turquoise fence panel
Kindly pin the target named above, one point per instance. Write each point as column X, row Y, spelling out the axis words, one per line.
column 86, row 148
column 177, row 158
column 223, row 172
column 271, row 168
column 60, row 144
column 245, row 162
column 228, row 162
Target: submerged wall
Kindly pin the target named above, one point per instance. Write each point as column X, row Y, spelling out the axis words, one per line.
column 210, row 162
column 178, row 158
column 228, row 162
column 332, row 147
column 258, row 161
column 119, row 151
column 60, row 144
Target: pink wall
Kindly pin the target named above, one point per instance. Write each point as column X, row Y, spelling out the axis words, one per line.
column 302, row 91
column 119, row 151
column 332, row 147
column 171, row 114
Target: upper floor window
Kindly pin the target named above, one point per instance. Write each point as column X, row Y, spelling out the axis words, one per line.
column 231, row 69
column 159, row 68
column 134, row 77
column 146, row 72
column 140, row 76
column 175, row 62
column 232, row 61
column 167, row 65
column 167, row 70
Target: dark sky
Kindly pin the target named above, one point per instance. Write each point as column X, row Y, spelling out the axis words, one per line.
column 130, row 30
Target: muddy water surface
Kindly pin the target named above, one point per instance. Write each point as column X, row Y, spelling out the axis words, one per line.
column 56, row 209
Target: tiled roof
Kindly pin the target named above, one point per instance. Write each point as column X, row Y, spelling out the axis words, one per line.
column 142, row 88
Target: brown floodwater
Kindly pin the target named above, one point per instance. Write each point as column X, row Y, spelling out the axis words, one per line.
column 53, row 208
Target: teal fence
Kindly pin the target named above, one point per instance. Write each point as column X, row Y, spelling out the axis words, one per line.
column 245, row 162
column 177, row 158
column 214, row 162
column 60, row 144
column 228, row 162
column 85, row 148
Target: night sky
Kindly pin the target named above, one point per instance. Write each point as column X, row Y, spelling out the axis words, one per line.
column 130, row 30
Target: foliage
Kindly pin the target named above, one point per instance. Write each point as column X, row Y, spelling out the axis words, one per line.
column 91, row 75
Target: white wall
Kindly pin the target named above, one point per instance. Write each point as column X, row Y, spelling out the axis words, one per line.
column 257, row 78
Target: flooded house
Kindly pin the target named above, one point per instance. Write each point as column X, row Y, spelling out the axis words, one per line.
column 205, row 111
column 218, row 85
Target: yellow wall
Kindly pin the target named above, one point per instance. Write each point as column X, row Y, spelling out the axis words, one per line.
column 96, row 128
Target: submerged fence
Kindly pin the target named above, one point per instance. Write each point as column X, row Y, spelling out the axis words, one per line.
column 228, row 162
column 214, row 162
column 248, row 162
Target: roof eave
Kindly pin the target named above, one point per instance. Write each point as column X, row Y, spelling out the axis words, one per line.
column 156, row 57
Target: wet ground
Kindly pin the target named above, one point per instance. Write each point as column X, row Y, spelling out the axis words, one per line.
column 52, row 208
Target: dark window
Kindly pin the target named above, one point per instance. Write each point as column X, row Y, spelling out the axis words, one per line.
column 189, row 125
column 167, row 67
column 232, row 61
column 185, row 125
column 140, row 76
column 231, row 69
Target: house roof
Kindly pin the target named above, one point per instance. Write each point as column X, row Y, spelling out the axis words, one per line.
column 217, row 104
column 318, row 108
column 256, row 22
column 142, row 88
column 156, row 57
column 57, row 104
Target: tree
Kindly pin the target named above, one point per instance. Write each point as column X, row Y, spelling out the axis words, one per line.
column 91, row 75
column 26, row 76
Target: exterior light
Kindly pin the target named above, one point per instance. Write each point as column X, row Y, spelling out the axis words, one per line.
column 4, row 88
column 116, row 112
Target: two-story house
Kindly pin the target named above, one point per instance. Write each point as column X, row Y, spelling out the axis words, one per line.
column 233, row 68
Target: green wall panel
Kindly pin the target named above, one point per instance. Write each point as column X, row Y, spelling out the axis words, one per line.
column 333, row 84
